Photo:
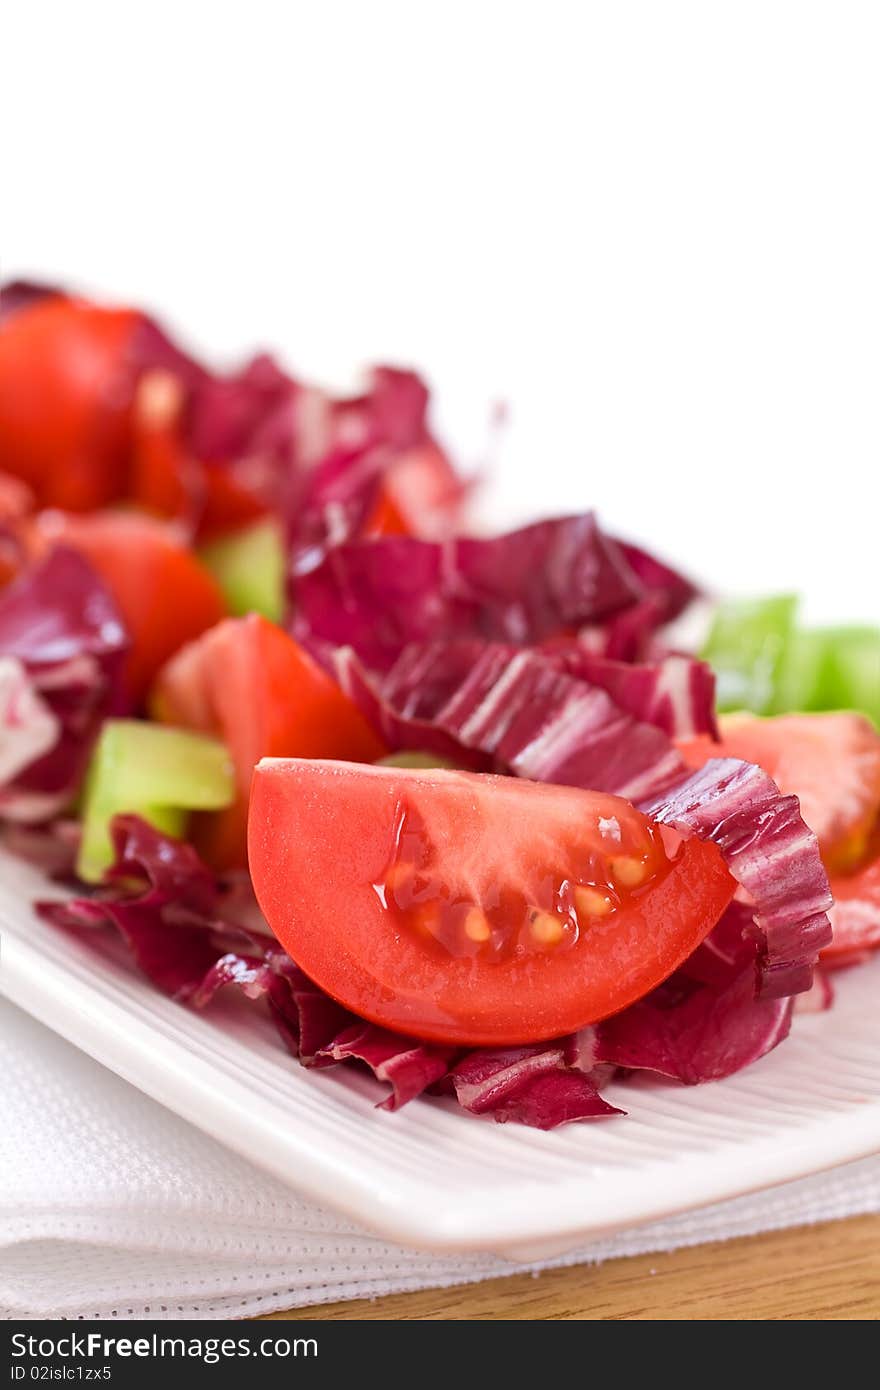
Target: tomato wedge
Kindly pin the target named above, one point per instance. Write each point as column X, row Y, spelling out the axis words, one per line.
column 473, row 909
column 165, row 595
column 855, row 916
column 66, row 384
column 830, row 761
column 252, row 685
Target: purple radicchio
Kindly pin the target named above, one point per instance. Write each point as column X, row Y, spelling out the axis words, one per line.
column 664, row 595
column 379, row 596
column 61, row 649
column 171, row 913
column 494, row 706
column 497, row 707
column 21, row 294
column 541, row 1086
column 773, row 856
column 705, row 1022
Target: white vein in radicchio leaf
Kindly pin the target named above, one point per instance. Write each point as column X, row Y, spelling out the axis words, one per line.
column 408, row 1066
column 675, row 693
column 495, row 705
column 541, row 1086
column 516, row 709
column 772, row 854
column 62, row 644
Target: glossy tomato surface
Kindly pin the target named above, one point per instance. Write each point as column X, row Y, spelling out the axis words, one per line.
column 66, row 386
column 473, row 909
column 165, row 595
column 252, row 685
column 855, row 916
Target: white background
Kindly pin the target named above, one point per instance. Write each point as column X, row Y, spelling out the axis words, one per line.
column 654, row 230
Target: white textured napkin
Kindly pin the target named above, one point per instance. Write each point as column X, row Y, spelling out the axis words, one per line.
column 110, row 1206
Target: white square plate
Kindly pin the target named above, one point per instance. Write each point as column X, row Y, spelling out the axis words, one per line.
column 431, row 1176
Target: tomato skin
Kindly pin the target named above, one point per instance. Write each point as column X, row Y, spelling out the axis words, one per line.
column 165, row 595
column 319, row 835
column 66, row 384
column 252, row 685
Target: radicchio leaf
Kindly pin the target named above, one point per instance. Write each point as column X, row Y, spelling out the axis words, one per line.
column 675, row 694
column 514, row 709
column 169, row 910
column 379, row 596
column 534, row 1085
column 819, row 999
column 409, row 1067
column 664, row 595
column 491, row 705
column 62, row 644
column 167, row 920
column 21, row 294
column 772, row 854
column 704, row 1022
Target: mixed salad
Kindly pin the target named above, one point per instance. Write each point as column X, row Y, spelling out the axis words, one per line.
column 454, row 808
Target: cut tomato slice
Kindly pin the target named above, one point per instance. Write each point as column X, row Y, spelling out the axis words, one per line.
column 473, row 909
column 165, row 595
column 830, row 761
column 252, row 685
column 855, row 916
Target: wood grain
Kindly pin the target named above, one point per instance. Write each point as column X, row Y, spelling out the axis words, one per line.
column 827, row 1272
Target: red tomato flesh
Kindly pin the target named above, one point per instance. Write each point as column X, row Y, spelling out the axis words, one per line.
column 164, row 593
column 66, row 385
column 855, row 916
column 249, row 683
column 473, row 909
column 830, row 761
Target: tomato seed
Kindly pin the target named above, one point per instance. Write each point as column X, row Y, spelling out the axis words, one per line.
column 591, row 902
column 627, row 871
column 546, row 928
column 476, row 925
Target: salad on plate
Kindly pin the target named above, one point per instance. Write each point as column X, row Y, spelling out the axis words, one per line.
column 454, row 807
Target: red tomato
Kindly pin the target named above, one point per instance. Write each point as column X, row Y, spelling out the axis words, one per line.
column 830, row 761
column 386, row 519
column 424, row 490
column 855, row 916
column 162, row 479
column 473, row 909
column 16, row 503
column 250, row 683
column 167, row 480
column 228, row 504
column 65, row 397
column 165, row 595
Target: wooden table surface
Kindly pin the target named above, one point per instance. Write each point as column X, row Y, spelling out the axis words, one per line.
column 827, row 1272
